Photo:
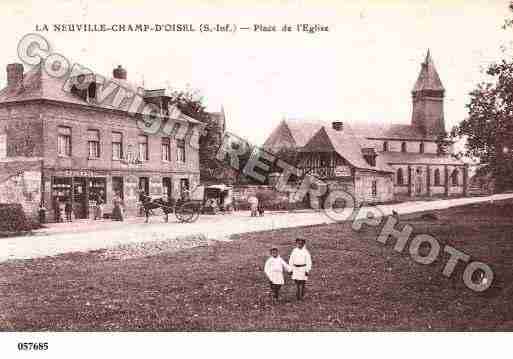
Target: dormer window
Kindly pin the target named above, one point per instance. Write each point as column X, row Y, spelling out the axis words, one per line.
column 421, row 147
column 403, row 147
column 370, row 156
column 385, row 146
column 91, row 92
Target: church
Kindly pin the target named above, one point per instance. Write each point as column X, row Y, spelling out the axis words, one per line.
column 378, row 163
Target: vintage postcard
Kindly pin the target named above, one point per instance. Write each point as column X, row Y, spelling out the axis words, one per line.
column 253, row 166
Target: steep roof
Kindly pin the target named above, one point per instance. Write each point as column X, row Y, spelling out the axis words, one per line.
column 302, row 131
column 345, row 145
column 38, row 85
column 428, row 77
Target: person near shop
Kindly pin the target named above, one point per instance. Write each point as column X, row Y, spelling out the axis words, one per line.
column 56, row 206
column 98, row 209
column 117, row 211
column 68, row 209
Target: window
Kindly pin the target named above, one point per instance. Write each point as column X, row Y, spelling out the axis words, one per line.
column 93, row 142
column 421, row 147
column 144, row 187
column 437, row 177
column 117, row 145
column 385, row 146
column 400, row 176
column 91, row 92
column 180, row 150
column 455, row 177
column 3, row 146
column 166, row 149
column 143, row 148
column 64, row 141
column 403, row 147
column 374, row 188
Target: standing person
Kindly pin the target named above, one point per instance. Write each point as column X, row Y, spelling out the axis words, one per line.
column 117, row 211
column 68, row 208
column 301, row 263
column 274, row 267
column 253, row 205
column 98, row 210
column 56, row 209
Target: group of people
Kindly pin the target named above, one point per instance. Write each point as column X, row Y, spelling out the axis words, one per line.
column 299, row 265
column 63, row 210
column 256, row 207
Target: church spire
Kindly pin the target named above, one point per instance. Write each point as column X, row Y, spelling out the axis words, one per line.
column 428, row 79
column 428, row 100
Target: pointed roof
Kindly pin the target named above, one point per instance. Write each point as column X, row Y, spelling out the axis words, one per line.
column 428, row 77
column 346, row 145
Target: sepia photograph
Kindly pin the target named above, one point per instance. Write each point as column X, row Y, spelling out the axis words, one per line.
column 220, row 171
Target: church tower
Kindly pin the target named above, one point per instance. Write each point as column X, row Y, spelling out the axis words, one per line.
column 428, row 100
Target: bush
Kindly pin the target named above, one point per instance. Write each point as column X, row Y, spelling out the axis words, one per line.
column 13, row 219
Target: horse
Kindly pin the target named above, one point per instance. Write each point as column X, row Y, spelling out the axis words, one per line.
column 149, row 205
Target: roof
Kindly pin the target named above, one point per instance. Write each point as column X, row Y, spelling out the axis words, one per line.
column 302, row 131
column 345, row 145
column 419, row 158
column 38, row 85
column 428, row 77
column 393, row 131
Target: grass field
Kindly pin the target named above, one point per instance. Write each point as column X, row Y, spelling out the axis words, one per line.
column 356, row 283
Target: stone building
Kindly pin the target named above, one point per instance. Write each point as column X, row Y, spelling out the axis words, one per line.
column 360, row 156
column 87, row 148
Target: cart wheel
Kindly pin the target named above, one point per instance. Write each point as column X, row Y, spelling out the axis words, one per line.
column 187, row 212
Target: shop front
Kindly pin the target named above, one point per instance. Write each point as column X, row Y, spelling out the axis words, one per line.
column 78, row 191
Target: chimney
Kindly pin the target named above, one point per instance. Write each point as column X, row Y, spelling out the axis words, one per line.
column 119, row 73
column 14, row 74
column 337, row 125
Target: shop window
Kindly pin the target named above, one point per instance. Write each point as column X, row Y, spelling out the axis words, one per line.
column 64, row 141
column 93, row 141
column 97, row 190
column 117, row 145
column 117, row 186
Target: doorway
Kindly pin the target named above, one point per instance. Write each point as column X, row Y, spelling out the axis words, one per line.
column 80, row 198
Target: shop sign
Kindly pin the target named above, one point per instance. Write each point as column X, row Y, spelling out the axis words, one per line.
column 79, row 173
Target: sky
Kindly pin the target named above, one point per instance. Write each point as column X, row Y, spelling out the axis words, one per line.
column 362, row 70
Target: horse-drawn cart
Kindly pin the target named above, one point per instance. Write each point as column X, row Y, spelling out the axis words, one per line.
column 202, row 200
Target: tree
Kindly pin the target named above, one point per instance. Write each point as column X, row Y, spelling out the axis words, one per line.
column 191, row 103
column 488, row 129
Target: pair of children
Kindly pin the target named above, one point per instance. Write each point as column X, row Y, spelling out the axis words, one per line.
column 300, row 264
